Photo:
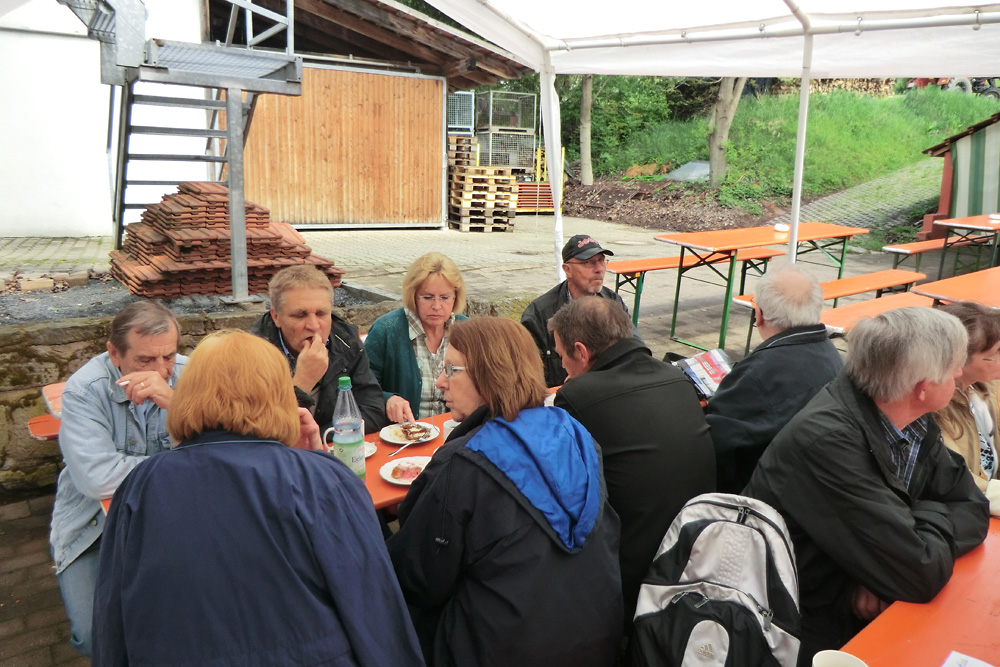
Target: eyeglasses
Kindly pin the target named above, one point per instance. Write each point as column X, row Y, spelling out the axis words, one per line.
column 449, row 370
column 596, row 260
column 430, row 298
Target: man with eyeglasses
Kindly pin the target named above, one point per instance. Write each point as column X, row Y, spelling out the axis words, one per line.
column 584, row 262
column 319, row 346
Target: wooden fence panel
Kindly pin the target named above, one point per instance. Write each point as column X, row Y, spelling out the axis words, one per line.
column 356, row 148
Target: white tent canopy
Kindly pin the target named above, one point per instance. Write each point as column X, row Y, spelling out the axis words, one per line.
column 810, row 38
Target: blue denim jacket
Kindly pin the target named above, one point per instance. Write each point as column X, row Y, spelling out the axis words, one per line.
column 101, row 440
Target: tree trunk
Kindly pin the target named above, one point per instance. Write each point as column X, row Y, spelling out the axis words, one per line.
column 586, row 102
column 730, row 89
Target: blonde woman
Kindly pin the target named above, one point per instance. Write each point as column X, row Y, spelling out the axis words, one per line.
column 970, row 424
column 234, row 548
column 406, row 347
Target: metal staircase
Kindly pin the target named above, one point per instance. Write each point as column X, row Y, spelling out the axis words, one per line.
column 195, row 82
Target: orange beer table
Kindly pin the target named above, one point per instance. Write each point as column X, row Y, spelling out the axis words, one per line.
column 980, row 286
column 385, row 493
column 979, row 230
column 820, row 237
column 964, row 617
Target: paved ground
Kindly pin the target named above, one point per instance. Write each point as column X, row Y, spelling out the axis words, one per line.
column 518, row 265
column 881, row 203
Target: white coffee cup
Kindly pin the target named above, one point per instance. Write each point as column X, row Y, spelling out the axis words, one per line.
column 836, row 659
column 781, row 227
column 448, row 427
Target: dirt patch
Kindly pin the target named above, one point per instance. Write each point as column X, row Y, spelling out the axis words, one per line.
column 659, row 205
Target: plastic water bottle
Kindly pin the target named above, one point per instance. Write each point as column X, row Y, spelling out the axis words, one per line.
column 348, row 429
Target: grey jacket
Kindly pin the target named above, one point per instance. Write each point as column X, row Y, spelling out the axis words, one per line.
column 102, row 440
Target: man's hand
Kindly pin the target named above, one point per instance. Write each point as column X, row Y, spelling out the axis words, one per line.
column 309, row 437
column 143, row 386
column 397, row 409
column 311, row 364
column 866, row 604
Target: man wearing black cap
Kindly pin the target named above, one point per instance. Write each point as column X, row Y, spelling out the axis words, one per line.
column 584, row 261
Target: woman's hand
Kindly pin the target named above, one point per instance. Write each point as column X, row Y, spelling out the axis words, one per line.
column 309, row 437
column 397, row 409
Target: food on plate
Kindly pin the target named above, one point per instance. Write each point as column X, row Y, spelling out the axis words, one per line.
column 414, row 431
column 406, row 471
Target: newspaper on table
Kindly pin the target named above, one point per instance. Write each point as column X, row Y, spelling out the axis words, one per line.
column 706, row 370
column 956, row 659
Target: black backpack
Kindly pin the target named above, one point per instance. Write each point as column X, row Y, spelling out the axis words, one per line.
column 722, row 591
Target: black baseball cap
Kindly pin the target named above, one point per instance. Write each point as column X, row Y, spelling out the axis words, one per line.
column 583, row 247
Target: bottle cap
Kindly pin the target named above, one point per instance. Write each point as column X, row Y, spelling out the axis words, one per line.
column 344, row 382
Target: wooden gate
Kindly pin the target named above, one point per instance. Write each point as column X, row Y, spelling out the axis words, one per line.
column 358, row 148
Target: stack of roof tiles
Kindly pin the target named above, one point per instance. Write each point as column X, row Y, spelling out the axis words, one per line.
column 182, row 247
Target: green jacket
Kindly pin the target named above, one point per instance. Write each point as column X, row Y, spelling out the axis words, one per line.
column 393, row 361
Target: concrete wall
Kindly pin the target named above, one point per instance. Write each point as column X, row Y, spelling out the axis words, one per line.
column 55, row 177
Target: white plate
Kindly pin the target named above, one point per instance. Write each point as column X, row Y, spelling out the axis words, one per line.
column 994, row 216
column 386, row 469
column 370, row 448
column 393, row 433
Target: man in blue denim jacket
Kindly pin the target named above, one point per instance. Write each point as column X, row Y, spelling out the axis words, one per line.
column 113, row 417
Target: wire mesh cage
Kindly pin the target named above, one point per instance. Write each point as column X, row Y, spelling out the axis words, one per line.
column 505, row 149
column 461, row 112
column 511, row 112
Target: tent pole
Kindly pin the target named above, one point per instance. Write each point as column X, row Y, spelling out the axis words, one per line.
column 800, row 147
column 553, row 154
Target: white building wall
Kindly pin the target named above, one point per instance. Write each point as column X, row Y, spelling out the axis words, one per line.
column 55, row 173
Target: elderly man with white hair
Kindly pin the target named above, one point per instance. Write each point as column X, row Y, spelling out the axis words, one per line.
column 767, row 388
column 877, row 507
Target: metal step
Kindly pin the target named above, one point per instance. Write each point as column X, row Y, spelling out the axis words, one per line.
column 155, row 157
column 188, row 102
column 179, row 131
column 127, row 183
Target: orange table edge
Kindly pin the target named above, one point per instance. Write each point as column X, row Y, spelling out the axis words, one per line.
column 979, row 286
column 963, row 617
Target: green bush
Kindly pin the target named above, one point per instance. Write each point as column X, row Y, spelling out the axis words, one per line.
column 851, row 138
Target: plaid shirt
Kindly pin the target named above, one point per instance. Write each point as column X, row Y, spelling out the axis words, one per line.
column 430, row 364
column 904, row 445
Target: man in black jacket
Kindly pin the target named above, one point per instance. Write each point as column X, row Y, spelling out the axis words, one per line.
column 319, row 346
column 584, row 262
column 645, row 415
column 877, row 507
column 765, row 390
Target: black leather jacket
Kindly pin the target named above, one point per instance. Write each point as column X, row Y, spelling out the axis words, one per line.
column 347, row 357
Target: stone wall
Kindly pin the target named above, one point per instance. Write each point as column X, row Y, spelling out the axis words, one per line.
column 34, row 355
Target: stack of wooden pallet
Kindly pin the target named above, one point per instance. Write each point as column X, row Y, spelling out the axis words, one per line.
column 462, row 151
column 482, row 199
column 182, row 247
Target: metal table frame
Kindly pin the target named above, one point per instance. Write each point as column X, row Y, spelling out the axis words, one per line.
column 814, row 236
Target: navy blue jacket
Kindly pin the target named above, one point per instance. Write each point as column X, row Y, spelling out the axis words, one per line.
column 229, row 550
column 762, row 393
column 507, row 550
